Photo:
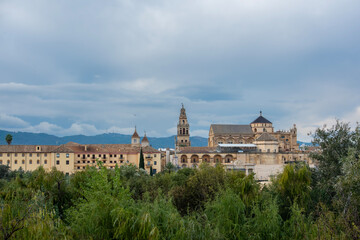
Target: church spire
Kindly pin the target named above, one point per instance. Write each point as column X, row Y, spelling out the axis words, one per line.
column 183, row 128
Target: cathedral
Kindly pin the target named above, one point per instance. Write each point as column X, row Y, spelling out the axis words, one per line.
column 251, row 148
column 260, row 132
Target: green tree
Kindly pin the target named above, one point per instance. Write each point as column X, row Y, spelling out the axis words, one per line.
column 335, row 143
column 151, row 171
column 141, row 161
column 8, row 139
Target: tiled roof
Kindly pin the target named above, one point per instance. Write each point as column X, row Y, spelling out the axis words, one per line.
column 78, row 148
column 266, row 137
column 135, row 135
column 145, row 139
column 261, row 119
column 26, row 148
column 231, row 129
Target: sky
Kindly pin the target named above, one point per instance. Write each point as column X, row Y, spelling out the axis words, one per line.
column 90, row 67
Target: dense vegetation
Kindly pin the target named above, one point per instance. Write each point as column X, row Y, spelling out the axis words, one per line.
column 204, row 203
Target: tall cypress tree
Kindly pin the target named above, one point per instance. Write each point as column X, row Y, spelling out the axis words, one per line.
column 151, row 171
column 141, row 162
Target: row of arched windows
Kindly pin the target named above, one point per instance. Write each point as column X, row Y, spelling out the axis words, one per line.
column 206, row 158
column 184, row 131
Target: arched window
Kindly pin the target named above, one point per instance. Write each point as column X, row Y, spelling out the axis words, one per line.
column 187, row 131
column 180, row 131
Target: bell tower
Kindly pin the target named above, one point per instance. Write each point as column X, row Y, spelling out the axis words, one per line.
column 183, row 136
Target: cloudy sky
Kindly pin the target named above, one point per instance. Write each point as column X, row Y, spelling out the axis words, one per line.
column 87, row 67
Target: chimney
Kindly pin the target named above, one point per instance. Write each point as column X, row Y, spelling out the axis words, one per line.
column 85, row 147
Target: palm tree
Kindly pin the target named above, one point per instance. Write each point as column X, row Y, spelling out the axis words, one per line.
column 8, row 139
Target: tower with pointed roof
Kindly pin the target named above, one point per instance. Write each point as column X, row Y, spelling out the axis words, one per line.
column 135, row 139
column 183, row 130
column 145, row 141
column 261, row 125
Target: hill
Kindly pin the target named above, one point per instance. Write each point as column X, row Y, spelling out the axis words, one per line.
column 25, row 138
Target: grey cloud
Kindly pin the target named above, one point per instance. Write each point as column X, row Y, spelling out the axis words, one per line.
column 121, row 63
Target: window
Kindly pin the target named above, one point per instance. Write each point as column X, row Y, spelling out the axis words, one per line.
column 88, row 155
column 30, row 154
column 84, row 167
column 154, row 162
column 220, row 142
column 15, row 161
column 148, row 163
column 38, row 154
column 230, row 142
column 8, row 154
column 110, row 155
column 8, row 162
column 93, row 156
column 99, row 155
column 0, row 154
column 57, row 162
column 78, row 155
column 67, row 174
column 45, row 154
column 110, row 161
column 185, row 140
column 287, row 140
column 23, row 161
column 121, row 156
column 58, row 155
column 154, row 155
column 67, row 162
column 114, row 161
column 15, row 154
column 78, row 167
column 135, row 140
column 182, row 140
column 154, row 171
column 38, row 161
column 30, row 161
column 264, row 130
column 84, row 161
column 88, row 161
column 67, row 155
column 38, row 148
column 93, row 161
column 268, row 150
column 104, row 161
column 0, row 161
column 45, row 161
column 23, row 154
column 78, row 161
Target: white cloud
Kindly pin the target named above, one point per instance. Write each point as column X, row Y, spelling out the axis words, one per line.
column 7, row 121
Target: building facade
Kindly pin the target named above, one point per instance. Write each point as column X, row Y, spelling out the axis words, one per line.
column 72, row 157
column 249, row 133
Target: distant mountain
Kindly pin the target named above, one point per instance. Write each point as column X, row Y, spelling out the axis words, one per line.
column 25, row 138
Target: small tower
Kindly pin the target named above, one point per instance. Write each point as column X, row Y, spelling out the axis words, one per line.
column 135, row 139
column 183, row 135
column 261, row 125
column 145, row 141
